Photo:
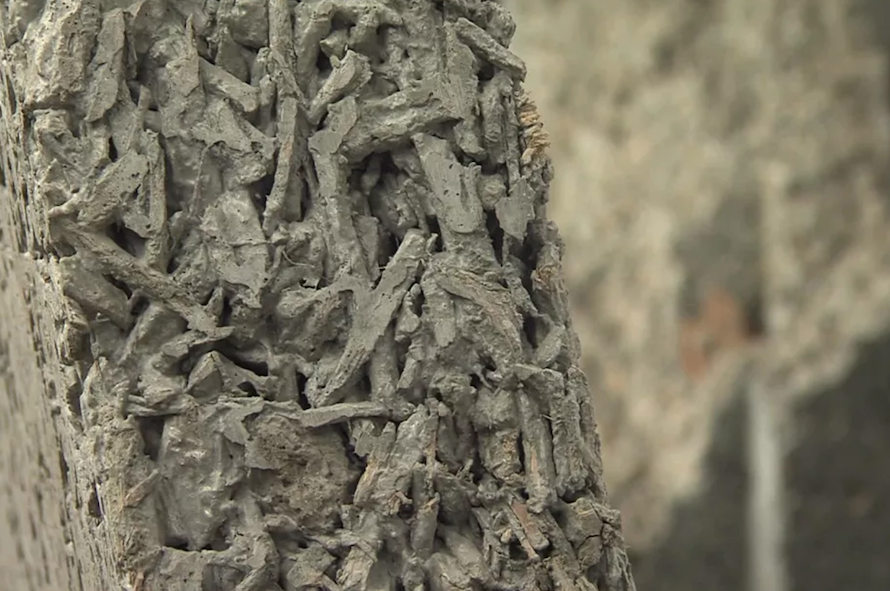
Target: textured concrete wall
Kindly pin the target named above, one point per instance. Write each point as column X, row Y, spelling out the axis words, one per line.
column 298, row 313
column 721, row 181
column 33, row 507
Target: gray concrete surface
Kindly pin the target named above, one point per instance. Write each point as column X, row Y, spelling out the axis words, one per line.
column 298, row 308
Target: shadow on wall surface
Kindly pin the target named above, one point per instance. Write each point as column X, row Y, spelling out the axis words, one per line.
column 705, row 548
column 839, row 471
column 837, row 484
column 838, row 476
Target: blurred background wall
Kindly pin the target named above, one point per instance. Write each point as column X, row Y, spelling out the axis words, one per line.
column 722, row 186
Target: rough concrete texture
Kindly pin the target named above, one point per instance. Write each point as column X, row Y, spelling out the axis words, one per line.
column 34, row 552
column 299, row 307
column 721, row 183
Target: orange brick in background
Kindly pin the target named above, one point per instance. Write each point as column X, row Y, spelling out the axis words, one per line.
column 721, row 324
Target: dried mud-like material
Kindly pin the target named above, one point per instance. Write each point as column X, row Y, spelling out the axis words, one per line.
column 61, row 41
column 373, row 314
column 93, row 292
column 385, row 123
column 313, row 314
column 235, row 242
column 351, row 73
column 537, row 448
column 463, row 71
column 111, row 190
column 247, row 21
column 489, row 49
column 459, row 210
column 492, row 110
column 106, row 67
column 217, row 80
